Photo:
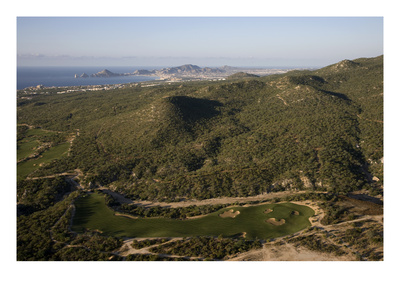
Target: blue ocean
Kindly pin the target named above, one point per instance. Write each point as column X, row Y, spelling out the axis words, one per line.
column 64, row 76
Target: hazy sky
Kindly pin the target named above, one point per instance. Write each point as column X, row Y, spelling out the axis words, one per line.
column 205, row 41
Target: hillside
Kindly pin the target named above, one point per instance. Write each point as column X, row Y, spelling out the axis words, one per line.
column 240, row 75
column 315, row 130
column 252, row 168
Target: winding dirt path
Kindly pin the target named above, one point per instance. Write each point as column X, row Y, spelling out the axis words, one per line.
column 127, row 249
column 280, row 97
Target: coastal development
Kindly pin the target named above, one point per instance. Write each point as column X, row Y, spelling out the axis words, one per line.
column 189, row 72
column 163, row 76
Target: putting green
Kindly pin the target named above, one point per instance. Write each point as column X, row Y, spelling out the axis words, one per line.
column 93, row 214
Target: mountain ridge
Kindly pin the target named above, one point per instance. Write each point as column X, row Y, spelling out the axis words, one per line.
column 106, row 73
column 191, row 71
column 187, row 69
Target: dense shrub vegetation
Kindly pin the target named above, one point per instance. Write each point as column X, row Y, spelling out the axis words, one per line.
column 207, row 247
column 34, row 195
column 43, row 235
column 318, row 130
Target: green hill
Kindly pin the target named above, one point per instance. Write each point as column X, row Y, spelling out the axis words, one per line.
column 317, row 130
column 241, row 75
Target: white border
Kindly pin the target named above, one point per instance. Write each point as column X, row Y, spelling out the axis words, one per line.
column 201, row 280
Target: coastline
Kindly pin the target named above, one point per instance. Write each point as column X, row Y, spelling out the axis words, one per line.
column 67, row 77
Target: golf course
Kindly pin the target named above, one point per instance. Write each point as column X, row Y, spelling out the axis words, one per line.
column 35, row 149
column 263, row 221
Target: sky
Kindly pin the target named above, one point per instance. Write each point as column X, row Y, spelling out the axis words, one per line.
column 204, row 41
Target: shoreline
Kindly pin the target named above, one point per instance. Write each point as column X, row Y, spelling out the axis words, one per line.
column 163, row 77
column 43, row 87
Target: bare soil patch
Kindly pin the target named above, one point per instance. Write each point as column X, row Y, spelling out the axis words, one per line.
column 127, row 249
column 288, row 252
column 212, row 201
column 229, row 214
column 125, row 216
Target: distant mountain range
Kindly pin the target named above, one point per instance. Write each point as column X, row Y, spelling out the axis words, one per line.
column 181, row 71
column 104, row 73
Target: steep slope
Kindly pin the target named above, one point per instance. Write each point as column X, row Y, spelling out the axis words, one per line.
column 165, row 121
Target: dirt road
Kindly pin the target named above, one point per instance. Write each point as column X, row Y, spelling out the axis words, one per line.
column 212, row 201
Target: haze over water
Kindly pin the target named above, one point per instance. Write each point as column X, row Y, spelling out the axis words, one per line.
column 64, row 76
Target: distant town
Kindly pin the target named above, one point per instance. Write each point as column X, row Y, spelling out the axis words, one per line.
column 164, row 76
column 188, row 72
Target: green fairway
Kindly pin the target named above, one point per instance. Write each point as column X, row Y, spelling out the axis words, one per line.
column 27, row 167
column 93, row 214
column 26, row 148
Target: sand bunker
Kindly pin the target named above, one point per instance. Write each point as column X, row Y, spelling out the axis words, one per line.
column 229, row 214
column 275, row 222
column 125, row 216
column 268, row 211
column 295, row 213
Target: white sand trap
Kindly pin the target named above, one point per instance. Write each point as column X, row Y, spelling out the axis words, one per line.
column 268, row 211
column 229, row 214
column 275, row 222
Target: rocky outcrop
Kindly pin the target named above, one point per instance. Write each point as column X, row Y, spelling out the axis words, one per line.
column 105, row 73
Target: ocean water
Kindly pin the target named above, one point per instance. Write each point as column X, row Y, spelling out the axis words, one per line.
column 64, row 76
